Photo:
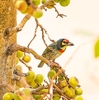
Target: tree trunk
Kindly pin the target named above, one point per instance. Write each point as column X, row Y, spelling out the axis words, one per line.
column 7, row 63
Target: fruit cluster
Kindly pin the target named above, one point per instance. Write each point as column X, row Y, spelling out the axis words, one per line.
column 30, row 85
column 21, row 55
column 30, row 78
column 68, row 86
column 25, row 7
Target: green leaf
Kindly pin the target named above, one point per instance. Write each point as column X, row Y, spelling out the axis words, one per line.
column 96, row 48
column 83, row 32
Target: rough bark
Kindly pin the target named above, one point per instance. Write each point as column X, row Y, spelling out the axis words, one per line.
column 7, row 63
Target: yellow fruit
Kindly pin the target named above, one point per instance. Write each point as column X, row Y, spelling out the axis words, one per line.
column 60, row 77
column 50, row 4
column 65, row 89
column 36, row 2
column 64, row 3
column 73, row 81
column 8, row 96
column 21, row 5
column 51, row 74
column 70, row 92
column 30, row 10
column 26, row 58
column 37, row 97
column 78, row 97
column 27, row 91
column 39, row 78
column 43, row 1
column 33, row 84
column 30, row 76
column 78, row 91
column 62, row 84
column 19, row 54
column 44, row 90
column 56, row 96
column 38, row 13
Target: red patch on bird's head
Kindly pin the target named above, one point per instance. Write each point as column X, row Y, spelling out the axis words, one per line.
column 65, row 40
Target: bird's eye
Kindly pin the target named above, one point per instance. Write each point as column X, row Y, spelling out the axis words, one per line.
column 64, row 41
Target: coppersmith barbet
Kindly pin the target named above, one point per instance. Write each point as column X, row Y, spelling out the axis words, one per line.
column 54, row 50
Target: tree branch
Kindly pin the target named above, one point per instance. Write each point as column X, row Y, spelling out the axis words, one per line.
column 58, row 14
column 61, row 92
column 15, row 47
column 11, row 31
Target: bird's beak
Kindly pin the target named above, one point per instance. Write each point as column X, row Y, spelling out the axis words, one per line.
column 70, row 44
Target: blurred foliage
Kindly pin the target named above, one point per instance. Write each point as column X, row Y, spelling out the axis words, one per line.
column 96, row 48
column 83, row 32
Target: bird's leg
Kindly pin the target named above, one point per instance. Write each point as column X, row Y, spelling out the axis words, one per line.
column 50, row 63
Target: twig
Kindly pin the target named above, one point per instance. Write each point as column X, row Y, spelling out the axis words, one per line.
column 31, row 4
column 58, row 14
column 23, row 82
column 37, row 90
column 21, row 95
column 16, row 77
column 59, row 72
column 51, row 88
column 46, row 82
column 40, row 88
column 44, row 95
column 29, row 67
column 42, row 29
column 53, row 5
column 61, row 92
column 14, row 47
column 17, row 73
column 33, row 37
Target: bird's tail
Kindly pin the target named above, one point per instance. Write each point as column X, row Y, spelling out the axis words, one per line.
column 41, row 64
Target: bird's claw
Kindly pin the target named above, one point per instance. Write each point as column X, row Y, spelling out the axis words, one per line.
column 50, row 63
column 53, row 64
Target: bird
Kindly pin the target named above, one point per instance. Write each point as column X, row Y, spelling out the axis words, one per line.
column 54, row 50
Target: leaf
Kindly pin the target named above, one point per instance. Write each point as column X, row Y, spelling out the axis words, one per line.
column 83, row 32
column 96, row 48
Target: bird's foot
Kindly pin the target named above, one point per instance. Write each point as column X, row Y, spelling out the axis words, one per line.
column 53, row 64
column 50, row 63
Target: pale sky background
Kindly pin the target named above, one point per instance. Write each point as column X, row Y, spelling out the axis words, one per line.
column 80, row 26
